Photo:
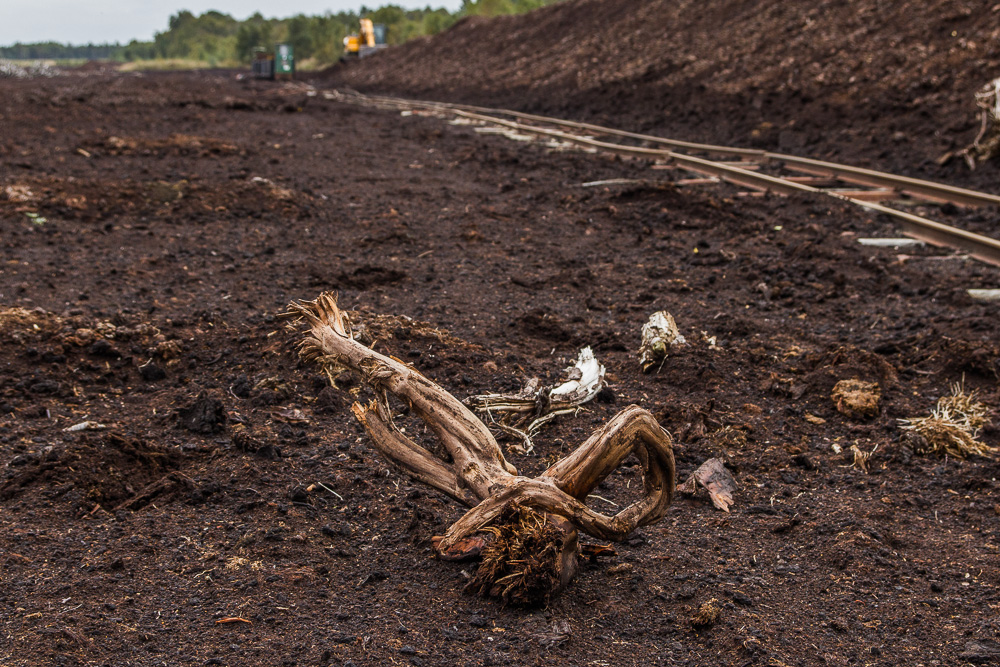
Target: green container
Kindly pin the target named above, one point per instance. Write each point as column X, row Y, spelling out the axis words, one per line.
column 284, row 62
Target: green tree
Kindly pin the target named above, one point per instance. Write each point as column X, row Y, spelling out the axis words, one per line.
column 218, row 38
column 255, row 31
column 302, row 36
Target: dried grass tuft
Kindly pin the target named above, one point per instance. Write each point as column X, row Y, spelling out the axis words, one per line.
column 707, row 614
column 952, row 428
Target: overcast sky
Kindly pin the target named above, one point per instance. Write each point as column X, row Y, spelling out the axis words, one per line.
column 99, row 21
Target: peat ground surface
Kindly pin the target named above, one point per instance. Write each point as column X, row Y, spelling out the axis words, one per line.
column 172, row 218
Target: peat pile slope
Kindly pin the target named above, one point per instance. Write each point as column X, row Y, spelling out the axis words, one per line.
column 887, row 84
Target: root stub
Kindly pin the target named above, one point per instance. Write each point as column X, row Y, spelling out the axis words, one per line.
column 524, row 529
column 528, row 557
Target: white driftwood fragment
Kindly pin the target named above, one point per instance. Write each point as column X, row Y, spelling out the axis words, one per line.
column 584, row 380
column 890, row 243
column 85, row 426
column 659, row 336
column 524, row 413
column 985, row 294
column 614, row 181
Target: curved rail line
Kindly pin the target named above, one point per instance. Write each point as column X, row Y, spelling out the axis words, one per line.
column 743, row 173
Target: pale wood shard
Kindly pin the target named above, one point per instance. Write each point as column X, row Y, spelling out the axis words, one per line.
column 660, row 335
column 713, row 476
column 523, row 414
column 476, row 472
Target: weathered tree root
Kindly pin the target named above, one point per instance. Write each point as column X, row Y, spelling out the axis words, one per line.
column 511, row 515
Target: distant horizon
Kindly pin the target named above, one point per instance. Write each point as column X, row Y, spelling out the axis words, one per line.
column 121, row 21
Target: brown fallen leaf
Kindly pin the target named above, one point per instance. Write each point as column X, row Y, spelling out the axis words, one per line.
column 233, row 619
column 813, row 419
column 714, row 478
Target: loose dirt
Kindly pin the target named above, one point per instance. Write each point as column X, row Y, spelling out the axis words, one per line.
column 175, row 215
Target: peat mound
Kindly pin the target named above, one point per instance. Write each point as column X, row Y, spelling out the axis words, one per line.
column 889, row 85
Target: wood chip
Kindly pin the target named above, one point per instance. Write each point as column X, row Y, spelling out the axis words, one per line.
column 713, row 476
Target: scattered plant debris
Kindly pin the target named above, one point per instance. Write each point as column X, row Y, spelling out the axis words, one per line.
column 36, row 219
column 860, row 458
column 85, row 426
column 987, row 143
column 524, row 413
column 232, row 619
column 12, row 70
column 707, row 615
column 952, row 428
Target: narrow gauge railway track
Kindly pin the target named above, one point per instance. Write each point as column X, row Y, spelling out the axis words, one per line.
column 744, row 167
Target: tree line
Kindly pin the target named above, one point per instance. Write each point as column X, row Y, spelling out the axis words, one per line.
column 218, row 39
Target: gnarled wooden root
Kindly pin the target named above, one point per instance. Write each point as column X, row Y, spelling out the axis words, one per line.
column 525, row 529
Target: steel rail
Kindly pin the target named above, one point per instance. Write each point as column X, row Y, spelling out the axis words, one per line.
column 983, row 248
column 921, row 188
column 676, row 143
column 935, row 233
column 699, row 165
column 912, row 186
column 924, row 189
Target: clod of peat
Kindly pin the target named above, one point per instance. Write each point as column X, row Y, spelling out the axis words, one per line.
column 151, row 372
column 528, row 557
column 206, row 414
column 857, row 398
column 980, row 652
column 555, row 635
column 243, row 440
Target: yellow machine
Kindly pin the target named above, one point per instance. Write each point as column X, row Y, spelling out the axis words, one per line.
column 370, row 38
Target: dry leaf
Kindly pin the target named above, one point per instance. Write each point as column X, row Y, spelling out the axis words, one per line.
column 713, row 476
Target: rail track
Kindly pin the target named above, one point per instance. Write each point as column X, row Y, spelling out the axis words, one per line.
column 757, row 170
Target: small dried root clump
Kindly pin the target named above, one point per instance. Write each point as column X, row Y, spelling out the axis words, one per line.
column 857, row 398
column 952, row 428
column 707, row 615
column 523, row 414
column 528, row 557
